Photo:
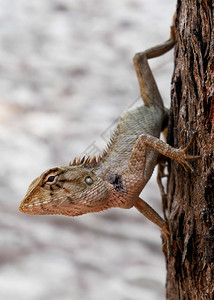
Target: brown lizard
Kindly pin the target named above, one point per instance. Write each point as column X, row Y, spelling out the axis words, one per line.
column 116, row 178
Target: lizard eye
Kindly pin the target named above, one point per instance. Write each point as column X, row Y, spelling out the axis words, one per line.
column 88, row 180
column 51, row 179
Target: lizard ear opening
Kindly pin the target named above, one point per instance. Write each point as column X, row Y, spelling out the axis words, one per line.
column 89, row 180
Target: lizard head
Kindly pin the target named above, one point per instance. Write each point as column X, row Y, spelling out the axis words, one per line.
column 71, row 191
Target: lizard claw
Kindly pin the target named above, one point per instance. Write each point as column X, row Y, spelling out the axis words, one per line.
column 165, row 236
column 186, row 165
column 165, row 229
column 185, row 149
column 185, row 156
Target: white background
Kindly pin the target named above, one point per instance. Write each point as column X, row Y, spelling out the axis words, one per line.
column 66, row 74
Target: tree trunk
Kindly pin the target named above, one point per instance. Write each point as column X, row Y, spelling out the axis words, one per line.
column 190, row 203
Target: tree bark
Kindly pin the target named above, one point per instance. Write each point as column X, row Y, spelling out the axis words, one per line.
column 190, row 202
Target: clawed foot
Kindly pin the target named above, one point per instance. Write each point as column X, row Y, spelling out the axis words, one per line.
column 165, row 229
column 183, row 156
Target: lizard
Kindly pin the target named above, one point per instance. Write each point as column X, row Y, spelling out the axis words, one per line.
column 117, row 177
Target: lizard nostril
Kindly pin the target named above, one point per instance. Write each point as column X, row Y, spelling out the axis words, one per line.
column 21, row 207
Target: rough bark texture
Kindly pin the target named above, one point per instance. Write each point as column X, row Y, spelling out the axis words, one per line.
column 190, row 257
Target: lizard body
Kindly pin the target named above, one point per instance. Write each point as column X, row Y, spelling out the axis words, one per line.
column 116, row 178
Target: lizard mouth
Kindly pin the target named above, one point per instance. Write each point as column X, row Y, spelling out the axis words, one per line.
column 24, row 209
column 23, row 206
column 32, row 208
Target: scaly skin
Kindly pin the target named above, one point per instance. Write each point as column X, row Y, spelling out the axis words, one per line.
column 117, row 177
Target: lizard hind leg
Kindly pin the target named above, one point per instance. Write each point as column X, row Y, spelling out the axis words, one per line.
column 148, row 87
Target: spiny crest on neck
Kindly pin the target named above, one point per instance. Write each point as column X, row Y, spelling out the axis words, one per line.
column 86, row 161
column 95, row 161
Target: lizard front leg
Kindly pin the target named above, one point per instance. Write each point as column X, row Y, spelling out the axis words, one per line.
column 138, row 154
column 137, row 164
column 151, row 214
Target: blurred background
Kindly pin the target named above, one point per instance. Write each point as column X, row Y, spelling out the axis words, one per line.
column 66, row 75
